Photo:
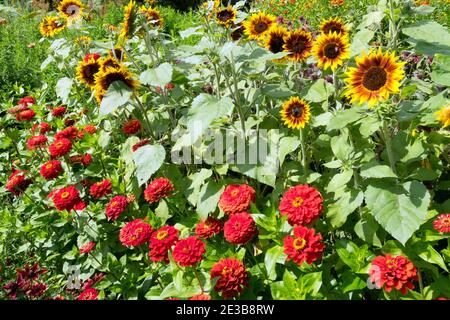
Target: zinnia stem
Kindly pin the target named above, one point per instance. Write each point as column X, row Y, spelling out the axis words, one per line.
column 387, row 140
column 198, row 279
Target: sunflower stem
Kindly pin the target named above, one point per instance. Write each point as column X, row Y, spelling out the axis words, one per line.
column 147, row 121
column 392, row 26
column 387, row 140
column 303, row 150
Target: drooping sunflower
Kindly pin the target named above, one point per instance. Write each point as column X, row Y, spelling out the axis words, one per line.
column 275, row 39
column 295, row 113
column 87, row 69
column 333, row 25
column 443, row 116
column 331, row 49
column 128, row 24
column 153, row 16
column 299, row 43
column 257, row 26
column 104, row 79
column 71, row 9
column 50, row 26
column 226, row 16
column 375, row 77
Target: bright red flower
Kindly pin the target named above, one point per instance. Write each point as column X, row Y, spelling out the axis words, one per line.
column 60, row 147
column 36, row 142
column 70, row 133
column 17, row 109
column 236, row 198
column 90, row 128
column 115, row 207
column 140, row 144
column 240, row 228
column 189, row 251
column 207, row 229
column 87, row 247
column 160, row 243
column 90, row 56
column 302, row 204
column 159, row 188
column 442, row 223
column 51, row 169
column 201, row 296
column 43, row 127
column 66, row 198
column 100, row 189
column 25, row 115
column 305, row 245
column 170, row 86
column 88, row 294
column 131, row 127
column 17, row 182
column 393, row 272
column 135, row 233
column 80, row 206
column 59, row 111
column 26, row 101
column 231, row 277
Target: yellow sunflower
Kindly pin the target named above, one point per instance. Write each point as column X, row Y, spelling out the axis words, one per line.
column 299, row 43
column 51, row 26
column 226, row 16
column 152, row 15
column 104, row 79
column 376, row 76
column 331, row 49
column 109, row 62
column 443, row 116
column 83, row 40
column 295, row 113
column 117, row 53
column 333, row 25
column 257, row 26
column 128, row 21
column 71, row 9
column 87, row 69
column 275, row 39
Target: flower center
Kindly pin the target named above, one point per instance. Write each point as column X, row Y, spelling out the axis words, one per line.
column 391, row 264
column 446, row 222
column 59, row 144
column 375, row 78
column 65, row 195
column 226, row 270
column 334, row 28
column 261, row 26
column 298, row 201
column 114, row 203
column 276, row 44
column 331, row 50
column 298, row 46
column 48, row 166
column 161, row 235
column 224, row 15
column 296, row 111
column 235, row 192
column 299, row 243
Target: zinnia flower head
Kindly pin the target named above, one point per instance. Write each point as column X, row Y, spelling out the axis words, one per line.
column 43, row 127
column 305, row 245
column 393, row 273
column 231, row 277
column 100, row 189
column 236, row 198
column 70, row 133
column 160, row 243
column 201, row 296
column 302, row 204
column 87, row 247
column 17, row 182
column 60, row 147
column 59, row 111
column 115, row 207
column 135, row 233
column 131, row 127
column 25, row 115
column 189, row 251
column 442, row 223
column 26, row 101
column 208, row 228
column 36, row 142
column 51, row 169
column 240, row 228
column 66, row 198
column 88, row 294
column 159, row 188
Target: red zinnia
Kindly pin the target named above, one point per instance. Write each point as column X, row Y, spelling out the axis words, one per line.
column 68, row 133
column 90, row 128
column 240, row 228
column 207, row 229
column 90, row 56
column 393, row 272
column 100, row 189
column 51, row 169
column 160, row 243
column 88, row 294
column 66, row 198
column 159, row 188
column 36, row 142
column 236, row 198
column 302, row 204
column 115, row 207
column 87, row 247
column 231, row 277
column 135, row 233
column 25, row 115
column 17, row 182
column 44, row 127
column 140, row 144
column 305, row 245
column 26, row 101
column 58, row 111
column 131, row 127
column 442, row 223
column 201, row 296
column 60, row 147
column 189, row 251
column 80, row 206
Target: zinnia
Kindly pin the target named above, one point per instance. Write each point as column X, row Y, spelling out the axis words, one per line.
column 231, row 277
column 159, row 188
column 66, row 198
column 88, row 294
column 60, row 147
column 305, row 245
column 36, row 142
column 189, row 251
column 236, row 198
column 240, row 228
column 135, row 233
column 100, row 189
column 51, row 169
column 17, row 182
column 131, row 127
column 115, row 207
column 207, row 229
column 160, row 243
column 442, row 223
column 302, row 204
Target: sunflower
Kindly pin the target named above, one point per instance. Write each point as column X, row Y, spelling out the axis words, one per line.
column 443, row 116
column 295, row 113
column 83, row 40
column 226, row 16
column 51, row 26
column 128, row 21
column 117, row 53
column 331, row 49
column 87, row 70
column 152, row 15
column 109, row 62
column 333, row 25
column 376, row 76
column 104, row 79
column 299, row 43
column 71, row 9
column 257, row 26
column 275, row 39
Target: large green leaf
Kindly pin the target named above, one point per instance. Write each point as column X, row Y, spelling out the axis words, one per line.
column 117, row 95
column 270, row 260
column 208, row 198
column 374, row 170
column 63, row 87
column 339, row 211
column 400, row 209
column 361, row 42
column 319, row 91
column 159, row 76
column 441, row 70
column 429, row 37
column 148, row 159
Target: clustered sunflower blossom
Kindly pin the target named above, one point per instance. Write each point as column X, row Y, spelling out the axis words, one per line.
column 257, row 26
column 152, row 15
column 71, row 9
column 226, row 16
column 128, row 24
column 50, row 26
column 295, row 113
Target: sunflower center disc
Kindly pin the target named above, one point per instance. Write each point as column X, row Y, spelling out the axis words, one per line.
column 260, row 27
column 296, row 111
column 276, row 44
column 299, row 46
column 336, row 29
column 224, row 15
column 375, row 78
column 331, row 51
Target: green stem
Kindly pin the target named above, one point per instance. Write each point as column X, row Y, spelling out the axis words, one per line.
column 387, row 140
column 199, row 281
column 303, row 150
column 145, row 117
column 392, row 26
column 419, row 275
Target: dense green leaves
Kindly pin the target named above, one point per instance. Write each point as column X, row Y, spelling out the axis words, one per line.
column 148, row 159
